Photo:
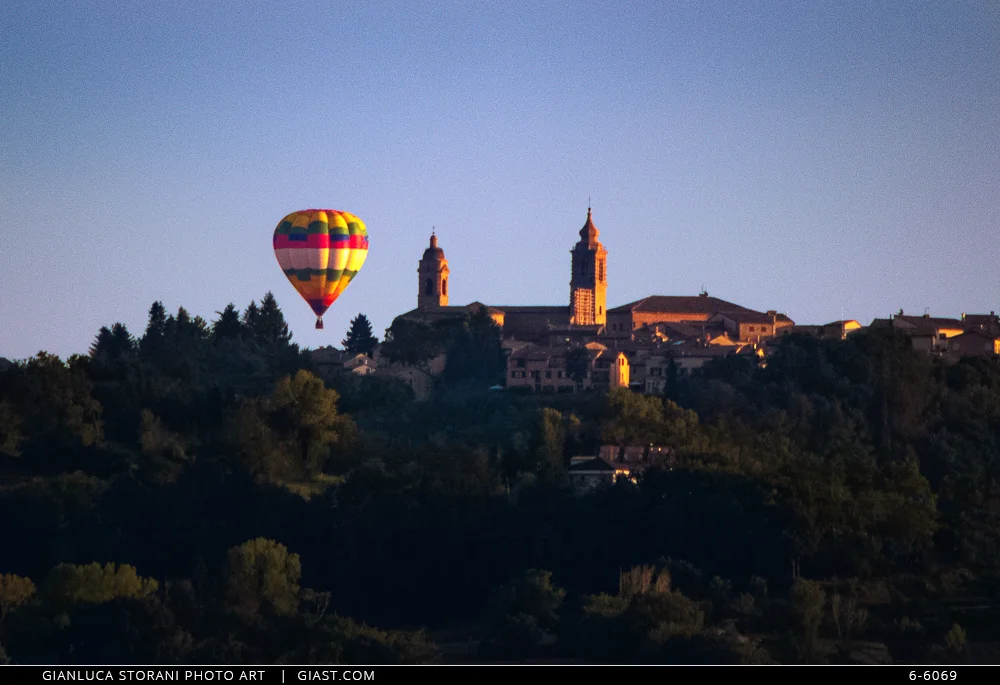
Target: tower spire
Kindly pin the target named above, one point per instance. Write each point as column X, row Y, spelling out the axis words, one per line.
column 433, row 274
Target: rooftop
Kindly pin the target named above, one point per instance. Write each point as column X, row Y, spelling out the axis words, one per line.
column 684, row 304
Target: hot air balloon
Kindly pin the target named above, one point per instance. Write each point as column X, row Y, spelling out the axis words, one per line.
column 320, row 251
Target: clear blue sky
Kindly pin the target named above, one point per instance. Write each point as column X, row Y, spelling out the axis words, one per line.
column 818, row 158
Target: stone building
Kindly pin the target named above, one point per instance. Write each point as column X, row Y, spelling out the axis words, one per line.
column 544, row 368
column 433, row 278
column 701, row 321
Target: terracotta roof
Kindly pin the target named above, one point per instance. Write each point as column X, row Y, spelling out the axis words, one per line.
column 433, row 252
column 595, row 464
column 684, row 304
column 532, row 353
column 978, row 333
column 685, row 350
column 446, row 312
column 747, row 317
column 532, row 309
column 978, row 319
column 929, row 321
column 436, row 313
column 589, row 232
column 473, row 306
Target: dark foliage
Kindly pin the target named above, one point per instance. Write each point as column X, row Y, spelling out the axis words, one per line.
column 860, row 470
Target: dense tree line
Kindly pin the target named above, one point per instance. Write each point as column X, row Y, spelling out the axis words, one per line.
column 200, row 494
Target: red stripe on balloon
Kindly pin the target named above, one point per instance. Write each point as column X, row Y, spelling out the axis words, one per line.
column 320, row 241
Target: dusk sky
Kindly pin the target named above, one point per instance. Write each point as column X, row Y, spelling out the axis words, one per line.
column 823, row 159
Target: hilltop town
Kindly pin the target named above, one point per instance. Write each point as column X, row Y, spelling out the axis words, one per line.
column 587, row 345
column 679, row 479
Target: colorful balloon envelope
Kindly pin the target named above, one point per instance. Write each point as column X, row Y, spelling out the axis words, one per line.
column 320, row 251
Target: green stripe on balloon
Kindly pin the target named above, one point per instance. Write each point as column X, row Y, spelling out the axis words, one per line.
column 284, row 228
column 331, row 274
column 318, row 227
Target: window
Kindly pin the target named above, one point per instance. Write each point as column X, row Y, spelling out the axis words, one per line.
column 751, row 329
column 428, row 287
column 600, row 310
column 444, row 286
column 548, row 374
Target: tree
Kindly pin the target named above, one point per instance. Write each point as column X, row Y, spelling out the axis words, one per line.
column 848, row 615
column 15, row 591
column 359, row 338
column 113, row 345
column 289, row 435
column 552, row 441
column 155, row 329
column 808, row 601
column 262, row 577
column 251, row 317
column 56, row 404
column 636, row 419
column 531, row 593
column 95, row 584
column 474, row 353
column 660, row 616
column 10, row 430
column 228, row 325
column 670, row 387
column 578, row 364
column 411, row 342
column 641, row 580
column 269, row 326
column 520, row 613
column 954, row 641
column 305, row 412
column 123, row 630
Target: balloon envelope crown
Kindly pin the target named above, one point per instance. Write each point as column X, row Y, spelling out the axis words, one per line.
column 320, row 251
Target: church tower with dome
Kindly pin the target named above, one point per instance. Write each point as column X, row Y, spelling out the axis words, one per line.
column 433, row 275
column 588, row 285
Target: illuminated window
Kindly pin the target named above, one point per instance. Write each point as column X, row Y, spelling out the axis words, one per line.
column 444, row 286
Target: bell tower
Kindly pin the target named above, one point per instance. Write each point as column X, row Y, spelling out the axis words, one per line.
column 433, row 274
column 588, row 285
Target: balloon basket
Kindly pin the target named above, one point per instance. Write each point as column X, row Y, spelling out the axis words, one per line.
column 319, row 324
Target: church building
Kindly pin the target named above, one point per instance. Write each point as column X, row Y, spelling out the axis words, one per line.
column 587, row 317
